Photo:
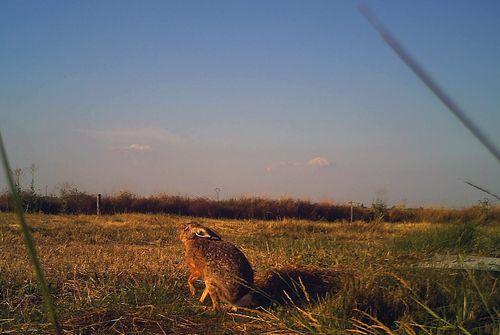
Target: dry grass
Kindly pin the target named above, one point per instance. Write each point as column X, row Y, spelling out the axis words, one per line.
column 124, row 274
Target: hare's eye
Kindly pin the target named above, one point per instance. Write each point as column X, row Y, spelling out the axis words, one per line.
column 202, row 233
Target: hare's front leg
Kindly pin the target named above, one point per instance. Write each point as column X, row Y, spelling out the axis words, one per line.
column 215, row 301
column 192, row 278
column 213, row 291
column 204, row 294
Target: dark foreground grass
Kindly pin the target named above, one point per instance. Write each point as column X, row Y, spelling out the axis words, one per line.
column 125, row 275
column 29, row 241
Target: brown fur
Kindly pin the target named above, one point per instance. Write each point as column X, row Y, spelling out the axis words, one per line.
column 226, row 271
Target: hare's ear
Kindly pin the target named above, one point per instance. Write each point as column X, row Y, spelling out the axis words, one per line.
column 214, row 235
column 203, row 233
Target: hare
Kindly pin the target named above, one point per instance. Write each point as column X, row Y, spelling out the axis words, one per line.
column 226, row 271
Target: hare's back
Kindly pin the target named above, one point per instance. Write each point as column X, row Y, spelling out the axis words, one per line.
column 224, row 258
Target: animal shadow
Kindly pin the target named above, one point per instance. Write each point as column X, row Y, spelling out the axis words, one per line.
column 296, row 286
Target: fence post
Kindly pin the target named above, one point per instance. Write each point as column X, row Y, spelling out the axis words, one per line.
column 351, row 211
column 98, row 204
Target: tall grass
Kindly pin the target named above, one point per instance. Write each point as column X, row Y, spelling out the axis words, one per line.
column 29, row 241
column 461, row 238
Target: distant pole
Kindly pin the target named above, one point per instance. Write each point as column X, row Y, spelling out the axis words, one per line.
column 98, row 204
column 350, row 202
column 33, row 170
column 18, row 173
column 217, row 191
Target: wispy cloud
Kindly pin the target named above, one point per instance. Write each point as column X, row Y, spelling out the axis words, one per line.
column 315, row 162
column 139, row 147
column 319, row 162
column 134, row 135
column 283, row 165
column 133, row 147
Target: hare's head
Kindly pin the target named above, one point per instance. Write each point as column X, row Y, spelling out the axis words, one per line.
column 194, row 230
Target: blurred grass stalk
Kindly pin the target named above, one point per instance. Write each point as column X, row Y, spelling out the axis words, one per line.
column 419, row 71
column 30, row 242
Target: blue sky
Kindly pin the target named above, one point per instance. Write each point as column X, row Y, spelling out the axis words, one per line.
column 273, row 98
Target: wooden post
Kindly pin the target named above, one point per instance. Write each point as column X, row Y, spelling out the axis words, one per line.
column 351, row 211
column 99, row 204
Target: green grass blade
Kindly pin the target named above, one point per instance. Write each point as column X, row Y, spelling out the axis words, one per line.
column 30, row 242
column 478, row 289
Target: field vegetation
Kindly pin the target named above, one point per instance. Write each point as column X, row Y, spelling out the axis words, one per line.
column 72, row 201
column 124, row 274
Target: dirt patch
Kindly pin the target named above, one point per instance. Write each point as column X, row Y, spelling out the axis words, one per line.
column 463, row 262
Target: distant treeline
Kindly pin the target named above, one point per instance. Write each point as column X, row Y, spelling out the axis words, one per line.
column 73, row 201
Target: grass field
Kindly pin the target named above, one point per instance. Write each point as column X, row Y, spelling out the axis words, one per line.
column 124, row 274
